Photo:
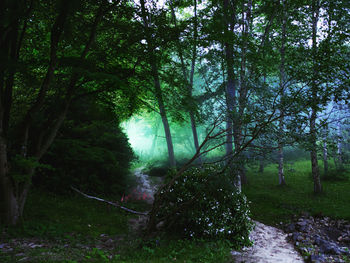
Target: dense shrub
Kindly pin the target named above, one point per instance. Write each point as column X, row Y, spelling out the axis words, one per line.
column 91, row 153
column 204, row 204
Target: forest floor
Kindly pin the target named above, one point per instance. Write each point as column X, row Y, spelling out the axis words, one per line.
column 270, row 243
column 73, row 229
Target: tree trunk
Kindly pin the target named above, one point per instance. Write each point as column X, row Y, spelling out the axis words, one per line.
column 8, row 202
column 243, row 90
column 230, row 93
column 339, row 146
column 165, row 122
column 281, row 179
column 314, row 103
column 313, row 153
column 157, row 87
column 189, row 83
column 10, row 45
column 190, row 87
column 315, row 171
column 261, row 165
column 325, row 157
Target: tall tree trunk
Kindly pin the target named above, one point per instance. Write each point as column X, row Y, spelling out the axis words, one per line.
column 190, row 87
column 314, row 103
column 339, row 146
column 325, row 151
column 9, row 210
column 157, row 87
column 313, row 154
column 10, row 45
column 281, row 179
column 243, row 90
column 189, row 82
column 230, row 91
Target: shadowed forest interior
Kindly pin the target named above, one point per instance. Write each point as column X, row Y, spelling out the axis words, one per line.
column 173, row 130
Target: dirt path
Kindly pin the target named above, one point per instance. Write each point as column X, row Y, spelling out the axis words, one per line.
column 270, row 246
column 270, row 243
column 144, row 185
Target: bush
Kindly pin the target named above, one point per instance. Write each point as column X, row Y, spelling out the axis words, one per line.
column 204, row 204
column 91, row 152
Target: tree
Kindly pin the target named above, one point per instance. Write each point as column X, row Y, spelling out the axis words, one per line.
column 230, row 92
column 188, row 76
column 14, row 192
column 282, row 84
column 314, row 102
column 46, row 70
column 157, row 87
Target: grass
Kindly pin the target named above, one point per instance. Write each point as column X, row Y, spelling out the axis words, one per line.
column 73, row 229
column 168, row 250
column 271, row 203
column 52, row 216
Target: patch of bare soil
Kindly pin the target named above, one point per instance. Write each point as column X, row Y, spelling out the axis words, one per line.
column 270, row 246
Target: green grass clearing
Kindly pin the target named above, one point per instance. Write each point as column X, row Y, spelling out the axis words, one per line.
column 271, row 203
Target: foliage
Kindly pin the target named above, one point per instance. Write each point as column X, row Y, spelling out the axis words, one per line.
column 21, row 165
column 92, row 152
column 204, row 204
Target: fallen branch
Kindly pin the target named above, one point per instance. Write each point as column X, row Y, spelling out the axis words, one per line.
column 110, row 203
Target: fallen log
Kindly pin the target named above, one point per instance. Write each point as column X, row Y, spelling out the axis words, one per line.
column 110, row 203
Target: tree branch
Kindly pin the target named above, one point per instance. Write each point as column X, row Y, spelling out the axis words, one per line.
column 110, row 203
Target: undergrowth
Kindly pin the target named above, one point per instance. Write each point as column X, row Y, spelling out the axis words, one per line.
column 72, row 229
